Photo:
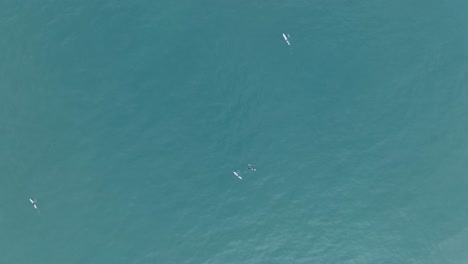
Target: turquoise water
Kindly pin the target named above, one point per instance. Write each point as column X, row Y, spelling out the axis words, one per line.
column 125, row 119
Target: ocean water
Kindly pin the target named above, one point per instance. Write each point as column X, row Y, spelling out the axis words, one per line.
column 125, row 119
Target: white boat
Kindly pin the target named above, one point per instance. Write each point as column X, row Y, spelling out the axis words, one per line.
column 286, row 39
column 237, row 174
column 33, row 202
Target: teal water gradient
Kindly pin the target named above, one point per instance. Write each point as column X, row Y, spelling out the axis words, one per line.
column 125, row 119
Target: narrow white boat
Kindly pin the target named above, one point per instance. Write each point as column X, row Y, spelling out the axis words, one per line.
column 237, row 174
column 286, row 39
